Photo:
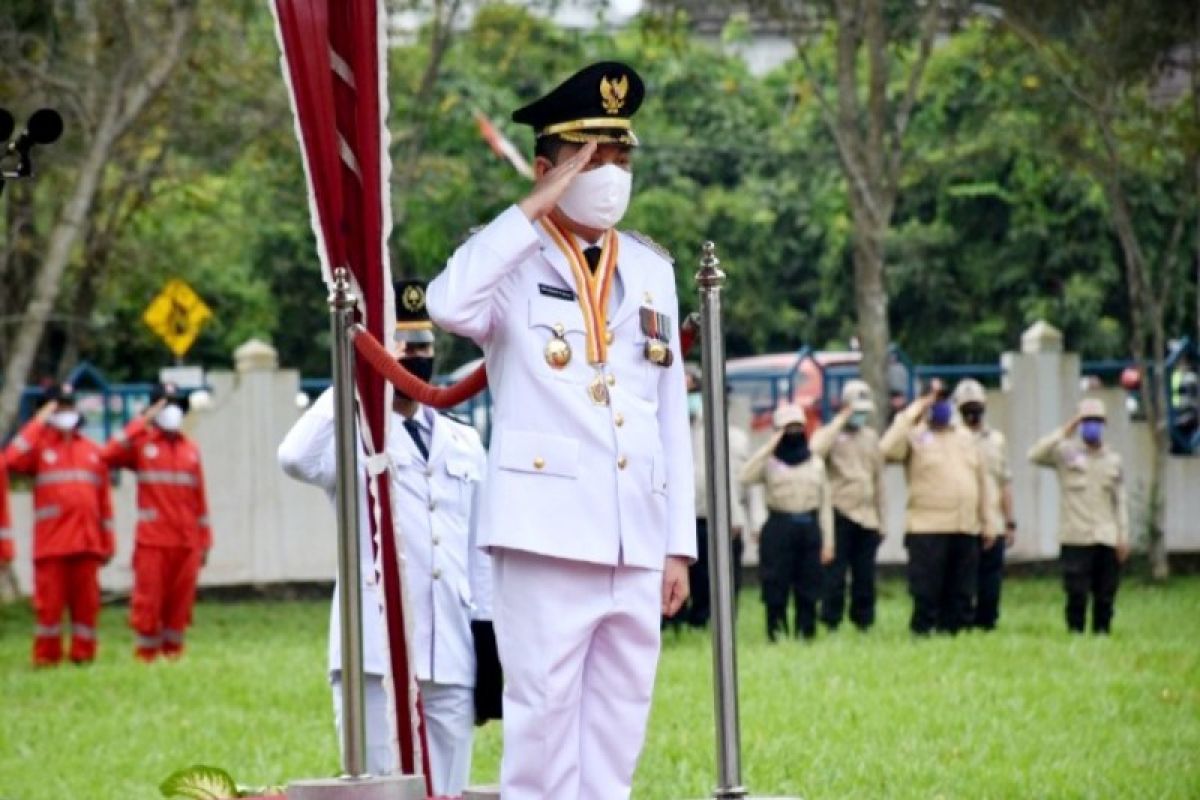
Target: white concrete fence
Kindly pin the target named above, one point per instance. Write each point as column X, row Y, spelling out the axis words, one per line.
column 269, row 529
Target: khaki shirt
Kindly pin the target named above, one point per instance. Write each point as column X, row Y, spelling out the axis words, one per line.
column 792, row 489
column 995, row 457
column 1093, row 508
column 739, row 449
column 855, row 467
column 948, row 488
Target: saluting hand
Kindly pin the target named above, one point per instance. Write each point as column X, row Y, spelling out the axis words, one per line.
column 550, row 187
column 151, row 411
column 48, row 408
column 1073, row 425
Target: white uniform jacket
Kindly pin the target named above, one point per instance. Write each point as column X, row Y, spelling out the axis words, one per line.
column 568, row 478
column 434, row 506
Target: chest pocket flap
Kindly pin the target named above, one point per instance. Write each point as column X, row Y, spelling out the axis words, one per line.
column 462, row 468
column 550, row 312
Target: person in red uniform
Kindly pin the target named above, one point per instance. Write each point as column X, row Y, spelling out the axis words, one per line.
column 8, row 551
column 173, row 537
column 73, row 533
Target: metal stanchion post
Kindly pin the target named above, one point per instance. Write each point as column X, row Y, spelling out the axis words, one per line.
column 710, row 280
column 354, row 737
column 355, row 783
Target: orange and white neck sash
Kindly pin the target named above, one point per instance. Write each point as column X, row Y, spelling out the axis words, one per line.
column 592, row 290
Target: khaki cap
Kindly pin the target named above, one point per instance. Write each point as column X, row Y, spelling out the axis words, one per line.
column 787, row 414
column 858, row 394
column 1092, row 408
column 969, row 391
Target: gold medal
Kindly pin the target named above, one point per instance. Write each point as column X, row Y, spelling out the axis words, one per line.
column 597, row 391
column 658, row 353
column 558, row 350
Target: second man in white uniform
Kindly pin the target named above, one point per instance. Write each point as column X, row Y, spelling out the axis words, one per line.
column 435, row 466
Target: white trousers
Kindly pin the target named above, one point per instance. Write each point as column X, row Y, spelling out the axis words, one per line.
column 449, row 728
column 579, row 644
column 450, row 732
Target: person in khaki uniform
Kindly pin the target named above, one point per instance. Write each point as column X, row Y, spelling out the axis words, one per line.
column 948, row 497
column 797, row 538
column 971, row 400
column 850, row 448
column 1093, row 528
column 698, row 608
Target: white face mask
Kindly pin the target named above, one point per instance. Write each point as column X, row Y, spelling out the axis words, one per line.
column 169, row 418
column 598, row 198
column 65, row 420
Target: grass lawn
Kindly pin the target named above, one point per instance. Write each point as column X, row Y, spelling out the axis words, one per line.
column 1026, row 712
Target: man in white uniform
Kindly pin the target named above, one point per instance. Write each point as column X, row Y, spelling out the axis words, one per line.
column 435, row 467
column 587, row 509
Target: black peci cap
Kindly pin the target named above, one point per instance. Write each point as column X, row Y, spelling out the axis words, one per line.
column 593, row 105
column 63, row 394
column 173, row 395
column 412, row 317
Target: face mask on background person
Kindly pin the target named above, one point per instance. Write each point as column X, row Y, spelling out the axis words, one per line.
column 1092, row 431
column 598, row 198
column 65, row 420
column 792, row 448
column 169, row 417
column 859, row 419
column 940, row 413
column 419, row 366
column 695, row 404
column 972, row 415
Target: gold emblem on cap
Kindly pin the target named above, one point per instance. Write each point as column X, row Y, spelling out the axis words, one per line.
column 414, row 298
column 558, row 350
column 612, row 93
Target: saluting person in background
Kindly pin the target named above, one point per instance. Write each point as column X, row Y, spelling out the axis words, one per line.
column 971, row 400
column 435, row 465
column 797, row 538
column 73, row 525
column 850, row 448
column 173, row 535
column 1093, row 525
column 948, row 501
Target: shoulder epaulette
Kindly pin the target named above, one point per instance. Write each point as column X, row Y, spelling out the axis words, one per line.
column 471, row 232
column 450, row 415
column 653, row 245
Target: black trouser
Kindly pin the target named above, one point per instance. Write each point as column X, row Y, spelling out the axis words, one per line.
column 790, row 562
column 1090, row 569
column 942, row 569
column 990, row 575
column 854, row 552
column 698, row 609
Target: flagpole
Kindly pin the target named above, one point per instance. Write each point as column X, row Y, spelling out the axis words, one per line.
column 354, row 737
column 355, row 782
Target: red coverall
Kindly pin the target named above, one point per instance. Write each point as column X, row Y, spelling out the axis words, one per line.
column 72, row 535
column 7, row 550
column 172, row 536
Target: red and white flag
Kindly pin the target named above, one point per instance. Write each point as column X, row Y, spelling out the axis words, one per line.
column 334, row 61
column 501, row 146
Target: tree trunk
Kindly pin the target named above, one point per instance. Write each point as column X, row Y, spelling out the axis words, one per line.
column 1147, row 323
column 871, row 307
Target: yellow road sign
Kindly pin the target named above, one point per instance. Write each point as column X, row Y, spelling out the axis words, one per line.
column 177, row 314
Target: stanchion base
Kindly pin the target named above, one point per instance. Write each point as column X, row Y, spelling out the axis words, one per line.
column 482, row 793
column 383, row 787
